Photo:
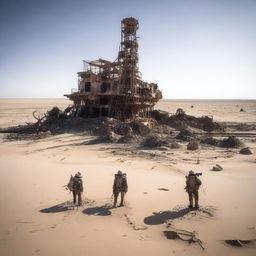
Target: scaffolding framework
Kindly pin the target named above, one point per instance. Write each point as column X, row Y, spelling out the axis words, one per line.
column 115, row 89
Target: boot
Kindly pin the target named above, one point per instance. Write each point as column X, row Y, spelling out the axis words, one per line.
column 74, row 198
column 122, row 199
column 115, row 201
column 196, row 200
column 79, row 199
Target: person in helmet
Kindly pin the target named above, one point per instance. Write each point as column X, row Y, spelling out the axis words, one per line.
column 77, row 188
column 120, row 186
column 193, row 184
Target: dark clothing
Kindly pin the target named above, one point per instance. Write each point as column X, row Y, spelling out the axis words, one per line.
column 192, row 187
column 116, row 196
column 78, row 185
column 77, row 190
column 75, row 195
column 120, row 186
column 194, row 194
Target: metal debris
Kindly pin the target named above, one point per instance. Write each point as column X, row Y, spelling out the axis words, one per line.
column 184, row 235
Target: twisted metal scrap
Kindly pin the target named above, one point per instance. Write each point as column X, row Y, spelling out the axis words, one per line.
column 178, row 233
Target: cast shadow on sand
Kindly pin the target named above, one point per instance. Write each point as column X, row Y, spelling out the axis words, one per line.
column 161, row 217
column 98, row 211
column 58, row 208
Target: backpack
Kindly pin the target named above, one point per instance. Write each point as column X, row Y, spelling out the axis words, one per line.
column 77, row 185
column 121, row 182
column 71, row 183
column 192, row 181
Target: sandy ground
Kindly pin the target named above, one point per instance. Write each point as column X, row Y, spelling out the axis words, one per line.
column 37, row 217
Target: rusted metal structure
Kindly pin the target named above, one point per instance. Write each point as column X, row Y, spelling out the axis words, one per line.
column 115, row 89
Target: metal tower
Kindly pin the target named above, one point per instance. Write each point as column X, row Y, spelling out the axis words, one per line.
column 128, row 55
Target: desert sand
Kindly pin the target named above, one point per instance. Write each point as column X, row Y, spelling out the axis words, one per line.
column 37, row 216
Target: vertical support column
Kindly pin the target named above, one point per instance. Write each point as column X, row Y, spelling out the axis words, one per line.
column 128, row 55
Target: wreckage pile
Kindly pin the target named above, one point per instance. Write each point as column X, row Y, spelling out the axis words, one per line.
column 53, row 122
column 180, row 120
column 230, row 142
column 161, row 129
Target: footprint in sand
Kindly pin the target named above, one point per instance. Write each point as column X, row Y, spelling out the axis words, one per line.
column 132, row 224
column 42, row 229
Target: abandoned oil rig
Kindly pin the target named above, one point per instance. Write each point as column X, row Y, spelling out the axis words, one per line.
column 115, row 89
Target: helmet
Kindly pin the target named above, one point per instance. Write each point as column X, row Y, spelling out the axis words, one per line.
column 119, row 173
column 191, row 173
column 78, row 175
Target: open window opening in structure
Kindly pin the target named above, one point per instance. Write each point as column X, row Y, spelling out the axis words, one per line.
column 104, row 87
column 87, row 87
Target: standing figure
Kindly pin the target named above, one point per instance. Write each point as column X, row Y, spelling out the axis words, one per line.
column 76, row 186
column 120, row 186
column 192, row 186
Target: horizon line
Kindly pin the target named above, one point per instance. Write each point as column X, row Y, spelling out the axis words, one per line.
column 62, row 98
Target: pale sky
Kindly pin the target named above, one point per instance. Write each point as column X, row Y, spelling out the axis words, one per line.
column 193, row 49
